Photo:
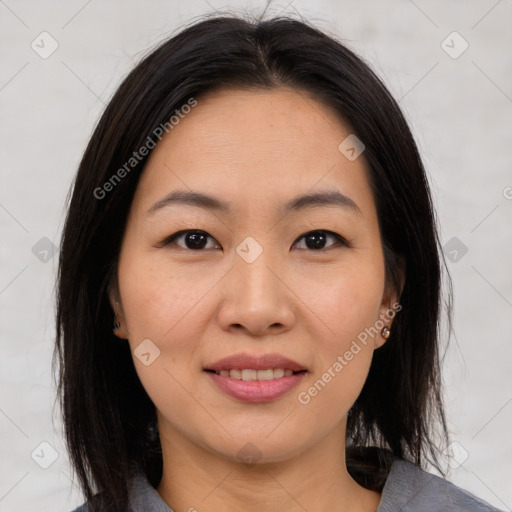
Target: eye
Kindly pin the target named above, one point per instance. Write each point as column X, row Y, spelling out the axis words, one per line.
column 193, row 239
column 196, row 240
column 315, row 240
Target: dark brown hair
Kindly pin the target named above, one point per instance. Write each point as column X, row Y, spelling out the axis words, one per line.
column 110, row 422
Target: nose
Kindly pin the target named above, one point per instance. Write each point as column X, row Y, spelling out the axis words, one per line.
column 256, row 298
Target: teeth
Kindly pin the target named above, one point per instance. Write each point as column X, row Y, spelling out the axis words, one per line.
column 264, row 374
column 248, row 374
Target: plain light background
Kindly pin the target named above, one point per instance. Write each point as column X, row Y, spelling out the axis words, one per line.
column 459, row 105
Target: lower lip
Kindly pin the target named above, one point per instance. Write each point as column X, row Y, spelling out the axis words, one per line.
column 256, row 390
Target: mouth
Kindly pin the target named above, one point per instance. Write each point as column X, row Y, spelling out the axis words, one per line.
column 250, row 374
column 261, row 378
column 255, row 363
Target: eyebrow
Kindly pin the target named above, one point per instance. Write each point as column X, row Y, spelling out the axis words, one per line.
column 306, row 201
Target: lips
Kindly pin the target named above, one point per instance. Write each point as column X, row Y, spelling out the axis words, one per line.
column 256, row 378
column 262, row 362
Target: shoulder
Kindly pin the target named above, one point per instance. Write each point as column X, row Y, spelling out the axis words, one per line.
column 408, row 488
column 142, row 497
column 81, row 508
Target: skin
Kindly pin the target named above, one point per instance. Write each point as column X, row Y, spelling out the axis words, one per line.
column 255, row 150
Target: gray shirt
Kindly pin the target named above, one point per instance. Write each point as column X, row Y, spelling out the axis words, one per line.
column 407, row 489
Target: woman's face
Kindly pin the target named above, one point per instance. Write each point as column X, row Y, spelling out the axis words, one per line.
column 249, row 285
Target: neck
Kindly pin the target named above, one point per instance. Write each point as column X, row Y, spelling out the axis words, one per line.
column 315, row 480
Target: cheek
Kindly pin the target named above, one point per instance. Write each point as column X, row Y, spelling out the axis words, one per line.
column 343, row 359
column 161, row 305
column 168, row 306
column 157, row 299
column 347, row 309
column 348, row 300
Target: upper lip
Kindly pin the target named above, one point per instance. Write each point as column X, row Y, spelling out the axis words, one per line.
column 255, row 362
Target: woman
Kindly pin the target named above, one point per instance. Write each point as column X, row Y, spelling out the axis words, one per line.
column 253, row 216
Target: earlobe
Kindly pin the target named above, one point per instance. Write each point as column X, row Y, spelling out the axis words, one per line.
column 389, row 308
column 118, row 324
column 383, row 336
column 390, row 305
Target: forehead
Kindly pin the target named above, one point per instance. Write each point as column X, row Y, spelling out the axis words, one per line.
column 266, row 145
column 280, row 123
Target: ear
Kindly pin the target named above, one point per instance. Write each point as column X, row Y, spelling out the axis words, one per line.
column 117, row 309
column 390, row 305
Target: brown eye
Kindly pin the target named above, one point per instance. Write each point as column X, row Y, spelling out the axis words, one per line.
column 316, row 240
column 194, row 240
column 197, row 240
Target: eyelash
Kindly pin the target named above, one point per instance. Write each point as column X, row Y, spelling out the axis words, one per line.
column 170, row 239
